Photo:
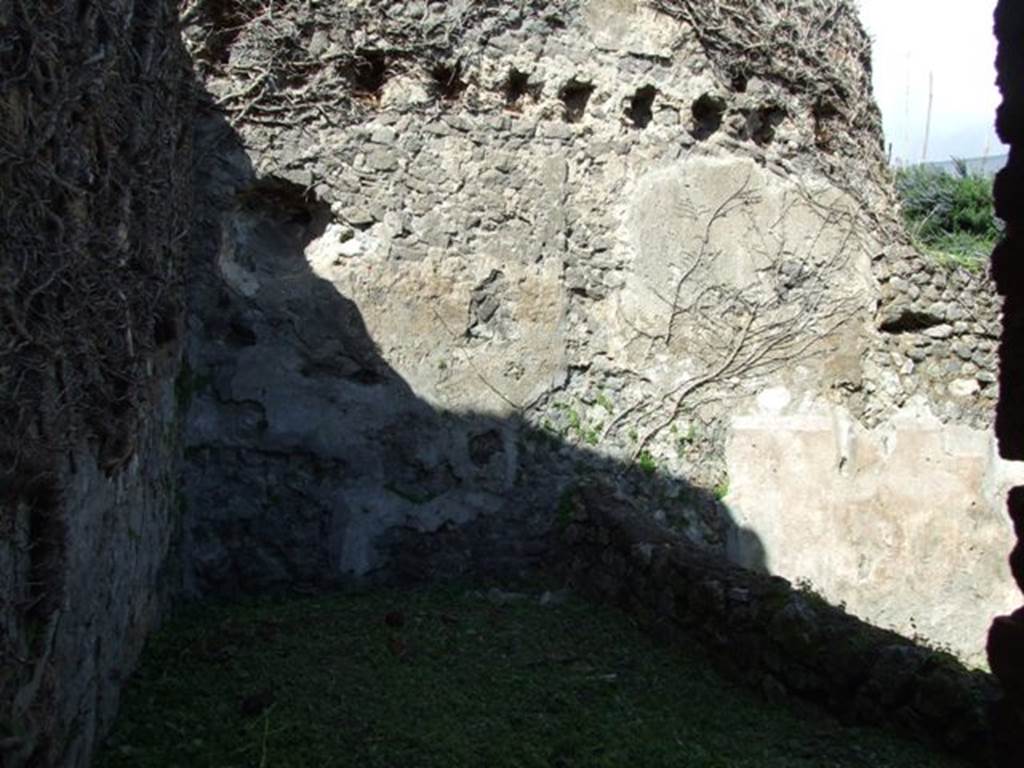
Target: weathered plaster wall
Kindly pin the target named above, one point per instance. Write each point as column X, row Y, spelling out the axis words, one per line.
column 449, row 261
column 456, row 228
column 95, row 136
column 1006, row 638
column 882, row 520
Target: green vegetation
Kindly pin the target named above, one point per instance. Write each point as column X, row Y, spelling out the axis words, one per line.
column 647, row 463
column 449, row 678
column 949, row 216
column 684, row 442
column 573, row 425
column 605, row 402
column 572, row 417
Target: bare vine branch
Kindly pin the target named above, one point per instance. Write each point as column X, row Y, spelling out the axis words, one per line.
column 738, row 335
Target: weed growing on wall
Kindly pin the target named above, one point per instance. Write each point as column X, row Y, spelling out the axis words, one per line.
column 949, row 216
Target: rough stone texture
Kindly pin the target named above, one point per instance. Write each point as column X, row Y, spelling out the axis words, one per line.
column 457, row 225
column 854, row 511
column 783, row 640
column 939, row 326
column 470, row 256
column 466, row 271
column 1006, row 638
column 95, row 137
column 310, row 460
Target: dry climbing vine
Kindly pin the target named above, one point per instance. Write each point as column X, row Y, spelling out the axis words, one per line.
column 94, row 178
column 740, row 336
column 289, row 63
column 90, row 270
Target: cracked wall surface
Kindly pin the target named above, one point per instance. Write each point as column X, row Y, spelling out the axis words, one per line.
column 450, row 261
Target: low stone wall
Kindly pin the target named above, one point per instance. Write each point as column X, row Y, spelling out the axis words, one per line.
column 782, row 640
column 938, row 325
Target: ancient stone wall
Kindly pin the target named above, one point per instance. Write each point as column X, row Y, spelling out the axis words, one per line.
column 779, row 639
column 95, row 136
column 939, row 325
column 1006, row 638
column 450, row 261
column 456, row 229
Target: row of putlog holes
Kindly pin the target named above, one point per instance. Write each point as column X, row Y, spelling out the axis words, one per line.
column 368, row 72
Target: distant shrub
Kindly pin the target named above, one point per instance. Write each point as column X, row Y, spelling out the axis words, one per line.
column 950, row 216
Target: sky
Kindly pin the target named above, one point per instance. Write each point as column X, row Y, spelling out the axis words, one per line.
column 952, row 41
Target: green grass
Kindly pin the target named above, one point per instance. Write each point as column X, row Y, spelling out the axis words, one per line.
column 647, row 463
column 335, row 681
column 959, row 249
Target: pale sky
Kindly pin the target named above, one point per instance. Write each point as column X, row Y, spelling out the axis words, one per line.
column 952, row 40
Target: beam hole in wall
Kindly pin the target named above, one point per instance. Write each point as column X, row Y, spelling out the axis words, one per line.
column 640, row 111
column 910, row 321
column 762, row 122
column 574, row 96
column 517, row 86
column 366, row 72
column 708, row 111
column 446, row 81
column 826, row 122
column 554, row 21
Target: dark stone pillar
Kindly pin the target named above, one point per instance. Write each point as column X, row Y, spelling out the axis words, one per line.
column 1006, row 638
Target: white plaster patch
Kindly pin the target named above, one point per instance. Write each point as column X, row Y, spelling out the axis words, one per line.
column 336, row 243
column 903, row 523
column 774, row 400
column 628, row 26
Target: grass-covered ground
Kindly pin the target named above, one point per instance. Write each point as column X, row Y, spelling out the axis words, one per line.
column 446, row 677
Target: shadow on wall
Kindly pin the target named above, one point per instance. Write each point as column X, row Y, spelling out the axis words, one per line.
column 311, row 462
